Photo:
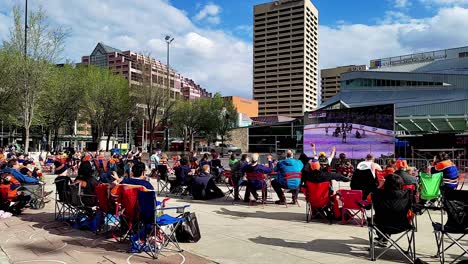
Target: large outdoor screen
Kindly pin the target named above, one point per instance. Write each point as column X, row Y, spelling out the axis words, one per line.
column 353, row 131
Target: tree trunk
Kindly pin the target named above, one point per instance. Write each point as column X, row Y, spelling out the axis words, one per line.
column 185, row 140
column 151, row 139
column 56, row 143
column 107, row 142
column 222, row 146
column 191, row 140
column 26, row 140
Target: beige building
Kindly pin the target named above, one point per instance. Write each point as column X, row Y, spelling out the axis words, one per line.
column 285, row 57
column 331, row 79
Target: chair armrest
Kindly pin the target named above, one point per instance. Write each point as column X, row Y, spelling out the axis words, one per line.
column 364, row 204
column 174, row 207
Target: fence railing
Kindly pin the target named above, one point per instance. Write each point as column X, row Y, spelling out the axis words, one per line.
column 462, row 164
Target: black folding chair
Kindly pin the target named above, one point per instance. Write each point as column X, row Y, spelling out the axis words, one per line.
column 64, row 209
column 162, row 179
column 455, row 204
column 391, row 209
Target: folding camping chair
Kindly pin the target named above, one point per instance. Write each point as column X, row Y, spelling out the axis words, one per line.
column 64, row 209
column 126, row 200
column 37, row 193
column 257, row 181
column 162, row 178
column 455, row 204
column 107, row 211
column 430, row 191
column 82, row 204
column 230, row 185
column 158, row 229
column 380, row 176
column 363, row 180
column 392, row 218
column 351, row 210
column 318, row 201
column 293, row 180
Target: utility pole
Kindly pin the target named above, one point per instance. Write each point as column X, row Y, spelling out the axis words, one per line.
column 169, row 40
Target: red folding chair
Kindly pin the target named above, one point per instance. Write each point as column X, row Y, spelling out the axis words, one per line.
column 318, row 201
column 294, row 178
column 105, row 208
column 351, row 210
column 461, row 180
column 127, row 209
column 260, row 178
column 230, row 184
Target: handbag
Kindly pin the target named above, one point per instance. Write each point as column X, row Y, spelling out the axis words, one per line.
column 188, row 231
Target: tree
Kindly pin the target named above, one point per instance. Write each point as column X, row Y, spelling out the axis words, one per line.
column 155, row 100
column 62, row 99
column 45, row 44
column 107, row 101
column 225, row 115
column 189, row 118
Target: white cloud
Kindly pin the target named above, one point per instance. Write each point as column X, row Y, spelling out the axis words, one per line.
column 356, row 44
column 401, row 3
column 210, row 13
column 444, row 2
column 215, row 59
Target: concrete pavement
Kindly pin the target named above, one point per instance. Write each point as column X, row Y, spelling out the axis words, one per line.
column 231, row 233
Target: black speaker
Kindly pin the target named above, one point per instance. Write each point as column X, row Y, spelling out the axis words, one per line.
column 92, row 146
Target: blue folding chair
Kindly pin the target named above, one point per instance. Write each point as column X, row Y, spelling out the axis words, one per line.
column 157, row 229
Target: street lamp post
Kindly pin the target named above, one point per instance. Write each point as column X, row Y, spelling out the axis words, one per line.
column 169, row 40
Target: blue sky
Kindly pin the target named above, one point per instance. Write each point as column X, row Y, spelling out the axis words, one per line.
column 213, row 38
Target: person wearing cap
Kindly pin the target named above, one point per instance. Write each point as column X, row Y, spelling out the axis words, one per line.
column 255, row 173
column 290, row 164
column 401, row 167
column 317, row 175
column 324, row 161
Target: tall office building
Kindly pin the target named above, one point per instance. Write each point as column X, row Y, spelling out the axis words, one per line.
column 285, row 57
column 331, row 80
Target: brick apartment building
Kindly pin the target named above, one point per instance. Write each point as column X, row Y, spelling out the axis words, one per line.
column 130, row 65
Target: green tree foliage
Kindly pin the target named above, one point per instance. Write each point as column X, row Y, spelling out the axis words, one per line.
column 212, row 117
column 107, row 101
column 44, row 47
column 62, row 99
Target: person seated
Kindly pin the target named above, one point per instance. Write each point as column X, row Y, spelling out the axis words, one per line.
column 324, row 161
column 442, row 163
column 364, row 176
column 255, row 173
column 204, row 186
column 20, row 200
column 271, row 162
column 390, row 210
column 26, row 170
column 316, row 175
column 290, row 164
column 390, row 167
column 401, row 170
column 204, row 160
column 183, row 175
column 232, row 161
column 216, row 166
column 13, row 169
column 137, row 177
column 344, row 166
column 238, row 175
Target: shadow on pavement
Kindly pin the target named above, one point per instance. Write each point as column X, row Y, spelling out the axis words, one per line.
column 354, row 247
column 283, row 216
